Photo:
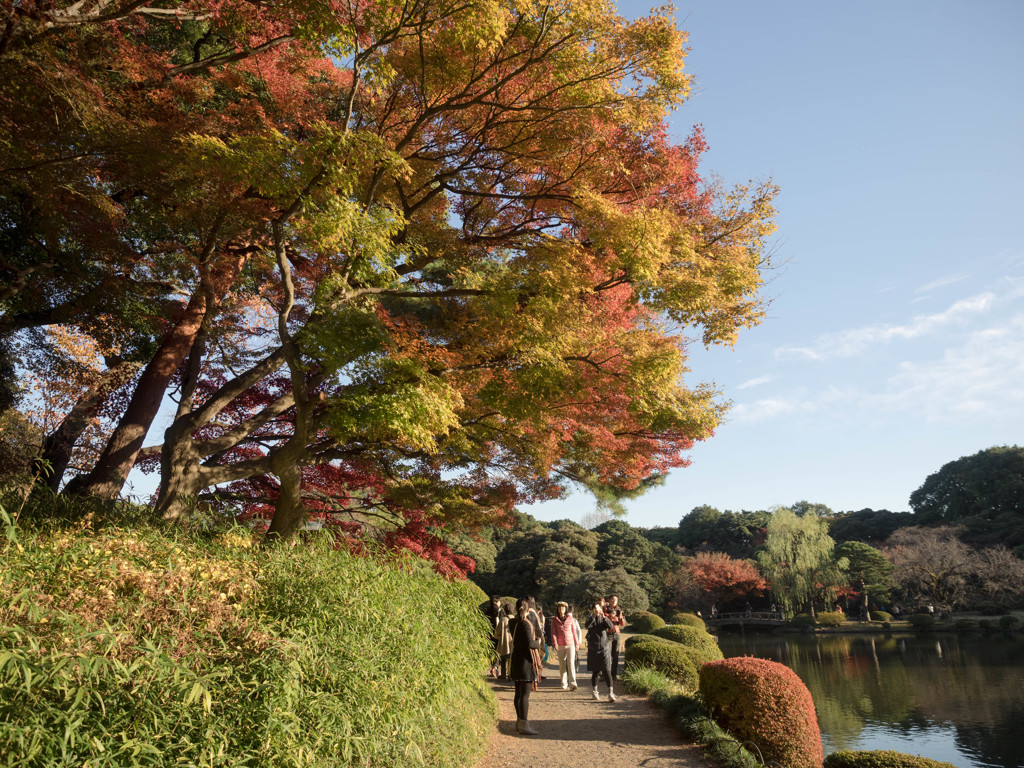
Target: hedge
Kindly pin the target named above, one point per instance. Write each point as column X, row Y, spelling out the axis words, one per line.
column 1008, row 622
column 644, row 622
column 764, row 702
column 880, row 616
column 830, row 618
column 701, row 642
column 671, row 659
column 802, row 620
column 689, row 619
column 921, row 620
column 634, row 639
column 124, row 646
column 882, row 758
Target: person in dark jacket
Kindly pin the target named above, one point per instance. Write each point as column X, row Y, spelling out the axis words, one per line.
column 599, row 650
column 525, row 640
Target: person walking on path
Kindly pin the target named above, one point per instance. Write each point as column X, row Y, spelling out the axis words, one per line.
column 618, row 620
column 566, row 639
column 493, row 611
column 525, row 642
column 599, row 649
column 503, row 640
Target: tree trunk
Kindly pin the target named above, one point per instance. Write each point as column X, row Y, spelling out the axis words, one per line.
column 59, row 444
column 108, row 476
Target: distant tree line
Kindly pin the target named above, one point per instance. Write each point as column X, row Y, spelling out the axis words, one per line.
column 961, row 547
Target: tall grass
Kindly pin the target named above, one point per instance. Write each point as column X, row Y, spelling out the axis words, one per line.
column 125, row 643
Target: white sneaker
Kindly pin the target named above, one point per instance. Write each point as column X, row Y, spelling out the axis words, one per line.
column 565, row 687
column 611, row 696
column 595, row 694
column 573, row 687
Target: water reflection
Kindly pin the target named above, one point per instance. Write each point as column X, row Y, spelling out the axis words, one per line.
column 956, row 698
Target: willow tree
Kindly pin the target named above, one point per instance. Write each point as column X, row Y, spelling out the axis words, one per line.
column 797, row 561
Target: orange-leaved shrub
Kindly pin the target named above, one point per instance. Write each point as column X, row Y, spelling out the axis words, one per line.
column 881, row 758
column 764, row 702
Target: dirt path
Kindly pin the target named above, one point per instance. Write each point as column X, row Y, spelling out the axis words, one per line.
column 577, row 731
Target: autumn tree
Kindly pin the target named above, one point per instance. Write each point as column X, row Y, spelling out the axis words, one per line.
column 935, row 565
column 718, row 579
column 403, row 261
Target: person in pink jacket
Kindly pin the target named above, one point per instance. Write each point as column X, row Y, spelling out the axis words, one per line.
column 565, row 635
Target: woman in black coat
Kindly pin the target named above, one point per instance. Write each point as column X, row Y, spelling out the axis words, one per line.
column 524, row 641
column 599, row 650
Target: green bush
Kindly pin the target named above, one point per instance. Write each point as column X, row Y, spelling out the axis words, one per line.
column 1008, row 622
column 688, row 716
column 802, row 621
column 644, row 623
column 671, row 659
column 701, row 642
column 921, row 620
column 830, row 618
column 764, row 702
column 881, row 759
column 881, row 616
column 634, row 639
column 689, row 619
column 966, row 624
column 132, row 645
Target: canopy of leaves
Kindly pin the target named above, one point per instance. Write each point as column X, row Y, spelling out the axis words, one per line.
column 983, row 492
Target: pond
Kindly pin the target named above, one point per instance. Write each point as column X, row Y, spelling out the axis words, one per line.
column 956, row 698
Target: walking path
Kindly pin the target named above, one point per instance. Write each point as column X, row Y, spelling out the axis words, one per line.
column 574, row 730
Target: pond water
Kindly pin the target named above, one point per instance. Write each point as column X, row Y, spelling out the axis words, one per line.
column 956, row 698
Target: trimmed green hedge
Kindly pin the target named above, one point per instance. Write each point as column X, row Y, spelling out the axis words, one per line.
column 802, row 620
column 1008, row 622
column 644, row 622
column 764, row 702
column 123, row 646
column 880, row 616
column 671, row 659
column 689, row 619
column 634, row 639
column 921, row 620
column 830, row 618
column 881, row 759
column 701, row 642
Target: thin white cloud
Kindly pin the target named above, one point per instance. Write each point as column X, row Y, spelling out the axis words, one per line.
column 855, row 341
column 763, row 410
column 980, row 379
column 754, row 382
column 942, row 282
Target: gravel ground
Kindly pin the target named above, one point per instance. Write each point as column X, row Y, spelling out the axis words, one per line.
column 574, row 731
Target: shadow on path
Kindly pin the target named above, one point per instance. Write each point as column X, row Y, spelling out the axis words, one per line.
column 574, row 730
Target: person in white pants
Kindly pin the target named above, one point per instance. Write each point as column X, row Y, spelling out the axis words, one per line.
column 565, row 635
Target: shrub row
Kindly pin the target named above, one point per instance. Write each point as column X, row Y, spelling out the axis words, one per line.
column 689, row 717
column 138, row 646
column 688, row 619
column 764, row 702
column 881, row 759
column 830, row 618
column 644, row 622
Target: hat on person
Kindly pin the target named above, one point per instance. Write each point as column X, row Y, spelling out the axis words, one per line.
column 561, row 602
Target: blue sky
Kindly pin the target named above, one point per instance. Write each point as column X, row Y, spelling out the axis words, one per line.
column 895, row 338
